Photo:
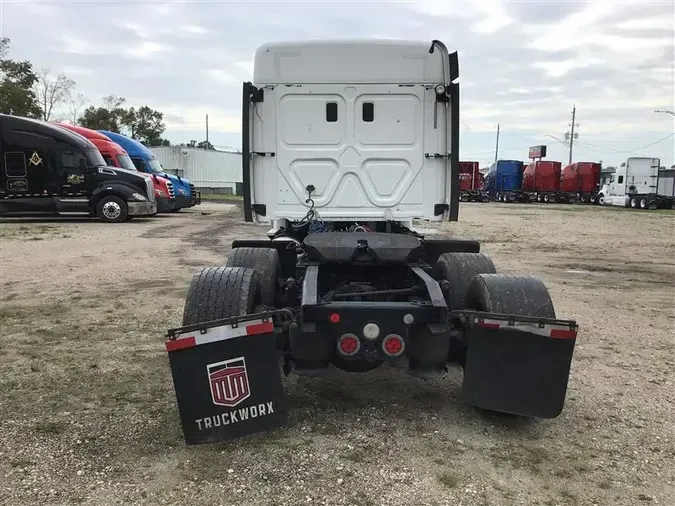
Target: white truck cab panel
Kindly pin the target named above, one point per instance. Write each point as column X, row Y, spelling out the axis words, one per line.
column 351, row 130
column 638, row 176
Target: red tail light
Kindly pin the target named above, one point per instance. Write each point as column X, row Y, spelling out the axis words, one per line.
column 348, row 344
column 393, row 345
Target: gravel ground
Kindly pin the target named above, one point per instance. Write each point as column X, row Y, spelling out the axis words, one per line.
column 88, row 413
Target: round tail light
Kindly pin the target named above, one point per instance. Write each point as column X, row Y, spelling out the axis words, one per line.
column 393, row 345
column 348, row 344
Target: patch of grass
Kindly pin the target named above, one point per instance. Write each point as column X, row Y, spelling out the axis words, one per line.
column 439, row 462
column 448, row 479
column 358, row 455
column 530, row 458
column 605, row 484
column 21, row 462
column 563, row 473
column 50, row 428
column 567, row 494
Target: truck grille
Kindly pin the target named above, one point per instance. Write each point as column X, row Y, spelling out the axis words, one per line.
column 192, row 189
column 169, row 187
column 150, row 190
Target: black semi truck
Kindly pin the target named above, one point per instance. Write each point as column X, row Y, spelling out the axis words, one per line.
column 47, row 170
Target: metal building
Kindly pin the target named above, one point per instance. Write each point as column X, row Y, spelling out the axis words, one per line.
column 210, row 171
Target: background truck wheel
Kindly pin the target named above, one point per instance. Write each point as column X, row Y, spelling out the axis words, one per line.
column 459, row 269
column 266, row 263
column 220, row 292
column 633, row 202
column 593, row 199
column 643, row 203
column 601, row 199
column 509, row 294
column 112, row 209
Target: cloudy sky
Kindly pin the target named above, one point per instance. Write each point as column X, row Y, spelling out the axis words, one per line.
column 522, row 64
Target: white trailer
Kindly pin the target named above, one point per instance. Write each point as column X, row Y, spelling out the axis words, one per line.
column 635, row 184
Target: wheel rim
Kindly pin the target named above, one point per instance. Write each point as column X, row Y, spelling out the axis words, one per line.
column 643, row 203
column 112, row 210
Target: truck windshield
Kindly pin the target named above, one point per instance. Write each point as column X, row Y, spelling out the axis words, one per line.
column 95, row 158
column 155, row 166
column 125, row 162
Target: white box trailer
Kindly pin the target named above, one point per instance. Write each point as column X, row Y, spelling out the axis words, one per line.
column 635, row 184
column 344, row 144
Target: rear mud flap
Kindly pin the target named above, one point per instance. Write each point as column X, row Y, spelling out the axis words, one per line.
column 227, row 380
column 521, row 368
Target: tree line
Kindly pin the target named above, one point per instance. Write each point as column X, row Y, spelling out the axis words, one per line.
column 39, row 94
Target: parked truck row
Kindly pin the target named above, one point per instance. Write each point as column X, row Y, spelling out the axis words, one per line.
column 638, row 183
column 57, row 168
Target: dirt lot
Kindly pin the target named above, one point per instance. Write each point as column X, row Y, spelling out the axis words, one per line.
column 88, row 415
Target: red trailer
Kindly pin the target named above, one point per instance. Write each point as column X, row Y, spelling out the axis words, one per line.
column 580, row 182
column 541, row 181
column 471, row 183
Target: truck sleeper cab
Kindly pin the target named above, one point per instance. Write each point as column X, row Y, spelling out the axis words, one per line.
column 145, row 161
column 47, row 169
column 635, row 184
column 344, row 144
column 115, row 156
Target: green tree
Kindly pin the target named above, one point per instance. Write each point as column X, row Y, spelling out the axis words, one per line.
column 146, row 125
column 110, row 116
column 17, row 79
column 206, row 145
column 143, row 124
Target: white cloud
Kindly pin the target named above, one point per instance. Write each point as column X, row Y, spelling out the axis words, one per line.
column 146, row 50
column 522, row 64
column 193, row 29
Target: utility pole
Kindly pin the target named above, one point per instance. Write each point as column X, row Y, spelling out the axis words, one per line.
column 207, row 129
column 571, row 136
column 497, row 146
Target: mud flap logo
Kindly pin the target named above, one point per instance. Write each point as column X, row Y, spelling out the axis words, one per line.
column 228, row 381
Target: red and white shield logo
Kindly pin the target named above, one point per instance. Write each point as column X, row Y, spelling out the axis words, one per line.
column 229, row 382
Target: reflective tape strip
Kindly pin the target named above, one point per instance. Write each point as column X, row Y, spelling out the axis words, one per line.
column 553, row 331
column 221, row 333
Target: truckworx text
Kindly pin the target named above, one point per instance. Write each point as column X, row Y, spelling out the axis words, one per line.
column 345, row 143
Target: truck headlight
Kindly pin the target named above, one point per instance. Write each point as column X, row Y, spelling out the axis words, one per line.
column 138, row 196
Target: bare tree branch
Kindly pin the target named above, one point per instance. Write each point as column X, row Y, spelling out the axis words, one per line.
column 52, row 91
column 75, row 106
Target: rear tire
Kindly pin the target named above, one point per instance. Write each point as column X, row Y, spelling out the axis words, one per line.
column 266, row 262
column 644, row 204
column 215, row 293
column 633, row 203
column 459, row 269
column 509, row 294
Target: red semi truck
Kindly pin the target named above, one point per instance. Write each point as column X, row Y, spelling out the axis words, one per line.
column 580, row 182
column 115, row 156
column 541, row 181
column 471, row 183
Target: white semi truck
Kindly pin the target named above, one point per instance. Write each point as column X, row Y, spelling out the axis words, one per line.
column 344, row 144
column 635, row 184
